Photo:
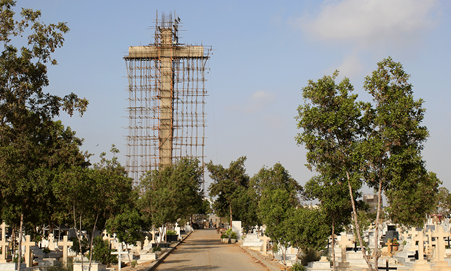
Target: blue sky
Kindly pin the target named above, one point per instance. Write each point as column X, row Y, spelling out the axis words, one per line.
column 264, row 53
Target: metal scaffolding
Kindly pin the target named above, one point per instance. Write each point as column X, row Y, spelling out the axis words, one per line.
column 166, row 100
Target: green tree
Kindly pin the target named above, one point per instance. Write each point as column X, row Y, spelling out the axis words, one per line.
column 443, row 201
column 227, row 185
column 335, row 202
column 330, row 119
column 246, row 197
column 409, row 204
column 393, row 142
column 25, row 109
column 274, row 178
column 94, row 195
column 308, row 229
column 172, row 192
column 102, row 252
column 276, row 209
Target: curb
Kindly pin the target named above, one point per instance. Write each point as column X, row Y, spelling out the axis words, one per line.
column 165, row 254
column 265, row 262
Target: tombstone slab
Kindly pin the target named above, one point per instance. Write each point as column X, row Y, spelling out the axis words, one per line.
column 4, row 244
column 322, row 264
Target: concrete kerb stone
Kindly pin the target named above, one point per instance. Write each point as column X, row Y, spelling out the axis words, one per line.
column 165, row 254
column 271, row 266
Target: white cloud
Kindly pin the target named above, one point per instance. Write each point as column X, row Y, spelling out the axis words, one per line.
column 258, row 101
column 351, row 66
column 371, row 23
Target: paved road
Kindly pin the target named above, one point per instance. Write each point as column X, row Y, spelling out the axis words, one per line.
column 203, row 250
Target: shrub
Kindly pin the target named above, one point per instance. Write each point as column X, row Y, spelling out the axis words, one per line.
column 298, row 267
column 134, row 263
column 76, row 246
column 171, row 232
column 101, row 251
column 275, row 248
column 155, row 249
column 310, row 255
column 46, row 250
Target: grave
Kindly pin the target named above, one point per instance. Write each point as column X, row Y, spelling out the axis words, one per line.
column 344, row 243
column 236, row 227
column 322, row 264
column 4, row 244
column 265, row 240
column 147, row 246
column 51, row 245
column 390, row 234
column 177, row 230
column 421, row 264
column 252, row 242
column 440, row 264
column 28, row 244
column 94, row 266
column 147, row 257
column 119, row 254
column 355, row 258
column 65, row 244
column 47, row 262
column 12, row 266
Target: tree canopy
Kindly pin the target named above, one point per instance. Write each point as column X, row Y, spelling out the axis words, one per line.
column 378, row 143
column 227, row 186
column 172, row 192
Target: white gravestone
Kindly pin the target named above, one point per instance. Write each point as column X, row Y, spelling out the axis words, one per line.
column 65, row 244
column 51, row 242
column 119, row 254
column 28, row 244
column 3, row 244
column 236, row 227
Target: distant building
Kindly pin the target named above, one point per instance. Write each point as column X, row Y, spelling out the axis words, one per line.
column 371, row 200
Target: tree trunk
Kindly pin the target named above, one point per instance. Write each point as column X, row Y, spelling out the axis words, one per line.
column 19, row 256
column 90, row 243
column 376, row 234
column 284, row 255
column 333, row 244
column 357, row 227
column 13, row 239
column 230, row 206
column 78, row 235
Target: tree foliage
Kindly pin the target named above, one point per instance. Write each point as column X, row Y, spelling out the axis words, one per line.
column 381, row 147
column 27, row 112
column 331, row 121
column 172, row 192
column 227, row 186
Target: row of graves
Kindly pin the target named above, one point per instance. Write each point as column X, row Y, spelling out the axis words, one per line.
column 50, row 252
column 414, row 249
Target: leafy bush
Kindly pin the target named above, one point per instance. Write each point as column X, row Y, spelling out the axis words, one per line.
column 171, row 232
column 60, row 267
column 76, row 246
column 101, row 251
column 46, row 250
column 22, row 260
column 275, row 248
column 134, row 263
column 310, row 255
column 233, row 235
column 224, row 235
column 155, row 249
column 298, row 267
column 228, row 232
